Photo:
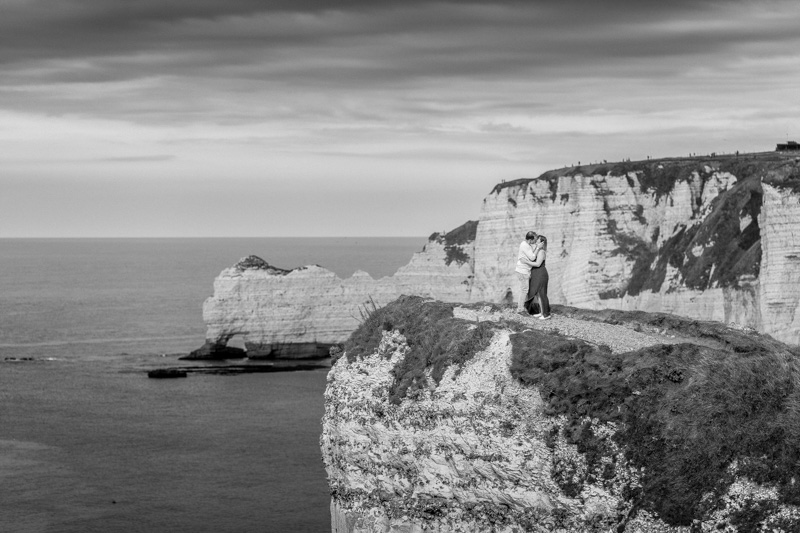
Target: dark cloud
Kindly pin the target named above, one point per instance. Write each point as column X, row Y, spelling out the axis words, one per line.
column 154, row 60
column 43, row 30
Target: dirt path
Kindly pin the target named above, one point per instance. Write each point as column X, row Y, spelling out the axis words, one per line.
column 619, row 338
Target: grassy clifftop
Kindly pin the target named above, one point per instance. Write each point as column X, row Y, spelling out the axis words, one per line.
column 456, row 240
column 437, row 341
column 781, row 169
column 685, row 412
column 696, row 406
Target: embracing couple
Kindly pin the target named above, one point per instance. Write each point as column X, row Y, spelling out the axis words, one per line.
column 533, row 276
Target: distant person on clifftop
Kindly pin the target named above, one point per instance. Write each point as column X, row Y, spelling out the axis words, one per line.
column 538, row 282
column 525, row 259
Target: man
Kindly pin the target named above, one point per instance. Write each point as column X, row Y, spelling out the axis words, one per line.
column 525, row 259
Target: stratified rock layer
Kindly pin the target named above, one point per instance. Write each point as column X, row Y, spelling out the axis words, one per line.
column 711, row 238
column 780, row 267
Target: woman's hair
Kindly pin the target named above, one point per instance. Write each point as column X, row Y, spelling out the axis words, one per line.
column 531, row 236
column 542, row 239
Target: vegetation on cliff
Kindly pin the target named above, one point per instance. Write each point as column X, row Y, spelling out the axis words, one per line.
column 253, row 262
column 718, row 250
column 437, row 340
column 454, row 242
column 694, row 417
column 693, row 424
column 784, row 173
column 729, row 251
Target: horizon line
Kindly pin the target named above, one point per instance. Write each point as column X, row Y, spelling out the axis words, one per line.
column 84, row 237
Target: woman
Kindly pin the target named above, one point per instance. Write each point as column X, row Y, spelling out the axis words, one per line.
column 525, row 257
column 538, row 283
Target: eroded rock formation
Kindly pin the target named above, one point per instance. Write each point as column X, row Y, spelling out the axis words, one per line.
column 300, row 313
column 712, row 238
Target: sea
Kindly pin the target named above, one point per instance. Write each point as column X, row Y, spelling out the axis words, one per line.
column 89, row 444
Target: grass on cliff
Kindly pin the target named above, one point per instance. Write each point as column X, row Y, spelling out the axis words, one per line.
column 256, row 263
column 436, row 339
column 687, row 412
column 708, row 333
column 728, row 251
column 455, row 240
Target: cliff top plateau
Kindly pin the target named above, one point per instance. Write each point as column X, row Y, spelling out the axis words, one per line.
column 778, row 168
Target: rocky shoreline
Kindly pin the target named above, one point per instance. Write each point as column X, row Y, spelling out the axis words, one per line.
column 234, row 369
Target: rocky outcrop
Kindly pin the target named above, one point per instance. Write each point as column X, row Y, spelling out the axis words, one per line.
column 215, row 351
column 301, row 313
column 712, row 238
column 586, row 423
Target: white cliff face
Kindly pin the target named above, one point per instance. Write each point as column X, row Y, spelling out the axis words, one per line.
column 573, row 219
column 580, row 216
column 591, row 220
column 302, row 311
column 429, row 274
column 780, row 267
column 299, row 307
column 734, row 306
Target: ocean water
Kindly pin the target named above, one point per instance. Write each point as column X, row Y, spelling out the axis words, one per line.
column 89, row 443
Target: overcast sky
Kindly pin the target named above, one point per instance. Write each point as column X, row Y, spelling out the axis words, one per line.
column 361, row 118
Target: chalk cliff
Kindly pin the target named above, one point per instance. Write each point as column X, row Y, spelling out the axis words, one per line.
column 301, row 312
column 478, row 420
column 714, row 238
column 710, row 238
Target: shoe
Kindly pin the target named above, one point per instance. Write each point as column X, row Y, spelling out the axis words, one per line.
column 537, row 315
column 545, row 317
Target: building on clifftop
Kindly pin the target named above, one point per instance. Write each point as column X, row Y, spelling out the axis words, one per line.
column 787, row 146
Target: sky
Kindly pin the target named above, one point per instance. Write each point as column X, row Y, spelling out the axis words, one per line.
column 192, row 118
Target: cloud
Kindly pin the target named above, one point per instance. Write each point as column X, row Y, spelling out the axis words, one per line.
column 361, row 62
column 255, row 46
column 156, row 158
column 332, row 91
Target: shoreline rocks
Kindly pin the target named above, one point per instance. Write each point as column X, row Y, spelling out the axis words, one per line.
column 166, row 373
column 215, row 351
column 228, row 370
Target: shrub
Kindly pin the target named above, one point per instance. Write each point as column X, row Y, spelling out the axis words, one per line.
column 455, row 240
column 685, row 412
column 437, row 340
column 256, row 263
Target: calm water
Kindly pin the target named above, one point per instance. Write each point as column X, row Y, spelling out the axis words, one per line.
column 88, row 443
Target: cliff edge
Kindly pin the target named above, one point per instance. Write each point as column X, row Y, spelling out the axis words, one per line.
column 441, row 417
